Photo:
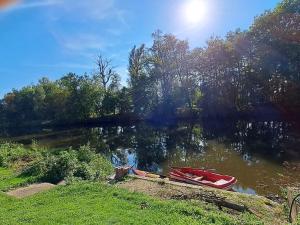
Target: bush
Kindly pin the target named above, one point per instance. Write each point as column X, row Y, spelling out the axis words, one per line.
column 85, row 172
column 86, row 153
column 92, row 166
column 59, row 167
column 56, row 165
column 17, row 155
column 53, row 168
column 83, row 164
column 101, row 166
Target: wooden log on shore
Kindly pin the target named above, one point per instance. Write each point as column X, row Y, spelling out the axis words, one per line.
column 294, row 204
column 214, row 199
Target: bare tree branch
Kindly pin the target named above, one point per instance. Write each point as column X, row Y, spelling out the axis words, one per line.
column 105, row 71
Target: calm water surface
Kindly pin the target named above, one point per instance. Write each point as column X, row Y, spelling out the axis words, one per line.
column 261, row 155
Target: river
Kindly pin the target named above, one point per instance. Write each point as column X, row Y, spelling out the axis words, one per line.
column 264, row 156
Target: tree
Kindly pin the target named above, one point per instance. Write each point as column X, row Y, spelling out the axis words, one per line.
column 109, row 80
column 142, row 85
column 105, row 73
column 124, row 101
column 162, row 78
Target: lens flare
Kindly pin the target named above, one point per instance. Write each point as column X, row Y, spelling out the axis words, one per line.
column 195, row 11
column 6, row 3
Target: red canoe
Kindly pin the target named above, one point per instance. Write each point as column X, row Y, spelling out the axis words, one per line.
column 202, row 177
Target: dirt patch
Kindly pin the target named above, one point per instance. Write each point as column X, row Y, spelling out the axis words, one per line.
column 268, row 211
column 30, row 190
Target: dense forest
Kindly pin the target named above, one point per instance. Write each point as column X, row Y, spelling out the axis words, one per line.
column 252, row 72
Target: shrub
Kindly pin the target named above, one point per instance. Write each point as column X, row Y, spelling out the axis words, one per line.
column 55, row 165
column 16, row 154
column 59, row 167
column 86, row 153
column 83, row 164
column 92, row 166
column 101, row 166
column 85, row 172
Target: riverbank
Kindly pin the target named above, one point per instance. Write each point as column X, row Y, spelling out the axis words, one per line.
column 234, row 203
column 260, row 114
column 123, row 202
column 99, row 203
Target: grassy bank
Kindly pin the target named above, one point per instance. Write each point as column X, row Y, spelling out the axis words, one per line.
column 9, row 179
column 96, row 203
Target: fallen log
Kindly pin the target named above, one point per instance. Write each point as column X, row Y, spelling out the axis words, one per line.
column 214, row 199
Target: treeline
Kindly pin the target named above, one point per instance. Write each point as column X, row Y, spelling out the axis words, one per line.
column 246, row 72
column 71, row 98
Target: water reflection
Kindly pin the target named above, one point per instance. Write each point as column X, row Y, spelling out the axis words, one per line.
column 250, row 150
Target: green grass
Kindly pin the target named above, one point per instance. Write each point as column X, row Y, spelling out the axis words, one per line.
column 96, row 203
column 9, row 179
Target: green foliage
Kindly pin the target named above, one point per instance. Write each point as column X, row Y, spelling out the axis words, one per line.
column 298, row 221
column 124, row 101
column 83, row 164
column 95, row 203
column 54, row 166
column 84, row 171
column 101, row 167
column 68, row 99
column 162, row 78
column 85, row 153
column 14, row 154
column 92, row 166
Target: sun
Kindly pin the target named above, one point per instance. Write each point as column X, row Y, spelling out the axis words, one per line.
column 195, row 11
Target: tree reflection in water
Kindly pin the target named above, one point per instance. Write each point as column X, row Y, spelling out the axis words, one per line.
column 253, row 151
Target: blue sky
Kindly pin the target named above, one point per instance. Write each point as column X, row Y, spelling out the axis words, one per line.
column 53, row 37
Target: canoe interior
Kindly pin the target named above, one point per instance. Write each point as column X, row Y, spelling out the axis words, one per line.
column 207, row 175
column 202, row 177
